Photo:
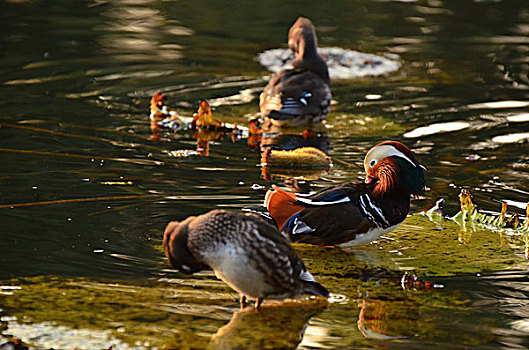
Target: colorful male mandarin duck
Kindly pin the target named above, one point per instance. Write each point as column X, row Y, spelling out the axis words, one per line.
column 161, row 116
column 300, row 95
column 353, row 213
column 244, row 251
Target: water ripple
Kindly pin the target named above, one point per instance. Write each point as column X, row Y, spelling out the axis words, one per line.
column 437, row 128
column 511, row 138
column 499, row 104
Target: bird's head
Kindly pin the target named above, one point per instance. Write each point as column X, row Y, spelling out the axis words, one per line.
column 204, row 117
column 175, row 241
column 394, row 170
column 203, row 108
column 158, row 101
column 303, row 42
column 301, row 35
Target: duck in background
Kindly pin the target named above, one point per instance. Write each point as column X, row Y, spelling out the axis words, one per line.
column 301, row 95
column 203, row 126
column 353, row 213
column 254, row 133
column 164, row 118
column 244, row 251
column 161, row 117
column 203, row 118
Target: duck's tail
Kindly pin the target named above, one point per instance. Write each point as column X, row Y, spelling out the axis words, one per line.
column 314, row 288
column 281, row 205
column 262, row 212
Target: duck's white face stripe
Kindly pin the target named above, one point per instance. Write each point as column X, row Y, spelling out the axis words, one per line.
column 385, row 151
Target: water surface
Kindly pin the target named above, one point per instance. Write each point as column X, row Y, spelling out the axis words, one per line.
column 76, row 79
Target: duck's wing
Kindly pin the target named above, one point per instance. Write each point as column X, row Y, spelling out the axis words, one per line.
column 334, row 216
column 292, row 93
column 271, row 254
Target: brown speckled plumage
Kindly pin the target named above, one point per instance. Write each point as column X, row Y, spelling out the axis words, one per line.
column 247, row 253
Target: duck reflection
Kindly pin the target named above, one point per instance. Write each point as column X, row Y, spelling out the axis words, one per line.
column 296, row 155
column 380, row 319
column 278, row 325
column 313, row 135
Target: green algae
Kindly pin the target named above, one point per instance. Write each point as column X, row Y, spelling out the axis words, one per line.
column 200, row 312
column 444, row 248
column 428, row 246
column 135, row 312
column 368, row 306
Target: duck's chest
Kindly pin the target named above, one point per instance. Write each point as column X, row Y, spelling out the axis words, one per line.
column 384, row 213
column 235, row 267
column 369, row 236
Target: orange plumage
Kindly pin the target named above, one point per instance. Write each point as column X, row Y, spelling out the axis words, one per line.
column 204, row 117
column 281, row 205
column 157, row 104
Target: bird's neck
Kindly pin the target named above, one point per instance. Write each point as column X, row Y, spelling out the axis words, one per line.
column 309, row 59
column 389, row 185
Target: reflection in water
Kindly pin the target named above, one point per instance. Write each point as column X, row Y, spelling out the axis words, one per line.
column 437, row 128
column 342, row 63
column 203, row 127
column 499, row 105
column 511, row 138
column 518, row 118
column 282, row 155
column 373, row 320
column 48, row 335
column 290, row 139
column 306, row 163
column 275, row 326
column 137, row 33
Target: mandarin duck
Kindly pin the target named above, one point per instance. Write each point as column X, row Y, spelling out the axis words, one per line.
column 300, row 95
column 353, row 213
column 244, row 251
column 161, row 116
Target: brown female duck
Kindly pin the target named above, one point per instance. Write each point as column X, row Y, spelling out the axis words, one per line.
column 246, row 252
column 300, row 95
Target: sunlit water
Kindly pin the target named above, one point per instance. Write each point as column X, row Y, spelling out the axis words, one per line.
column 76, row 79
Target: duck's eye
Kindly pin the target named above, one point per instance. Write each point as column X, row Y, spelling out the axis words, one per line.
column 372, row 163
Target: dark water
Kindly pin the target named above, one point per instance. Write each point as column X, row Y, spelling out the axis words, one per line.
column 76, row 79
